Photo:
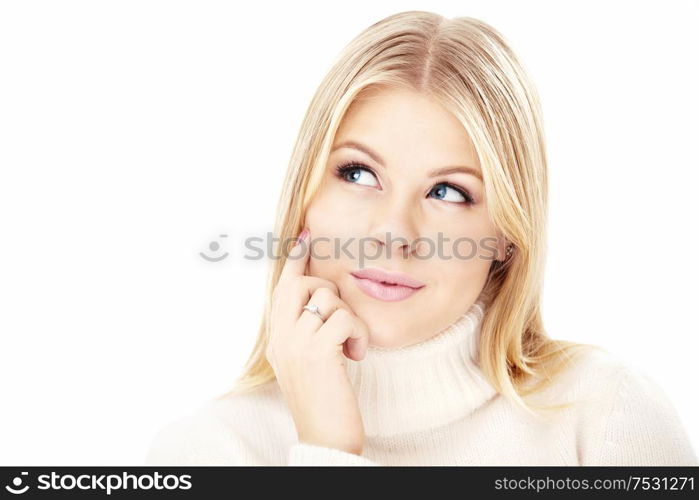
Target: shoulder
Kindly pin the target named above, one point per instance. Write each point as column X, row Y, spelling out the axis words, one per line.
column 588, row 375
column 223, row 430
column 621, row 414
column 642, row 425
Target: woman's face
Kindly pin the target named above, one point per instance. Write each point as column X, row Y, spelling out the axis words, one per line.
column 390, row 209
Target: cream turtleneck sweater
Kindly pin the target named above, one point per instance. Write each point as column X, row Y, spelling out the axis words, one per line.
column 430, row 404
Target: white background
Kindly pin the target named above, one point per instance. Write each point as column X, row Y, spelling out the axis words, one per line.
column 133, row 133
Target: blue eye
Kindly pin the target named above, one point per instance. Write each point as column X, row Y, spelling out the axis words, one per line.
column 459, row 195
column 352, row 172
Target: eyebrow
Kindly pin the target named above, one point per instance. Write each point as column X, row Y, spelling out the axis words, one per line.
column 377, row 158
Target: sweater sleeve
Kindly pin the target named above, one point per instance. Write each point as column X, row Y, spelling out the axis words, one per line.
column 203, row 439
column 164, row 450
column 642, row 428
column 303, row 454
column 200, row 440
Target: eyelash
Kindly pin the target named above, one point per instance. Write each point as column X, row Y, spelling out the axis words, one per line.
column 343, row 168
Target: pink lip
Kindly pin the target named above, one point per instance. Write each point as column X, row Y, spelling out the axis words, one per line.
column 385, row 285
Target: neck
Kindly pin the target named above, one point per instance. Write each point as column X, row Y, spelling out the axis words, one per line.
column 423, row 385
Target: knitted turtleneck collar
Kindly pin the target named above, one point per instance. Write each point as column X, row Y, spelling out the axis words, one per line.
column 424, row 385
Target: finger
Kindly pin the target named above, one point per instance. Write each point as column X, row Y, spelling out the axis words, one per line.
column 345, row 327
column 294, row 294
column 356, row 346
column 295, row 264
column 327, row 301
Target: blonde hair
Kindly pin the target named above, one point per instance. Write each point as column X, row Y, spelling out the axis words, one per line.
column 468, row 67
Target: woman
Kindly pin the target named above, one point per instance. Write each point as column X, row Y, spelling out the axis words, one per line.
column 421, row 343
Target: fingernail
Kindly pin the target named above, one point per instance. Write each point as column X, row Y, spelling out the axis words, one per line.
column 302, row 236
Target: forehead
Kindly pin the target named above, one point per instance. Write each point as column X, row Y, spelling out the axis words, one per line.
column 402, row 123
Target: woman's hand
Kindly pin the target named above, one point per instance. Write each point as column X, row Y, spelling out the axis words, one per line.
column 307, row 355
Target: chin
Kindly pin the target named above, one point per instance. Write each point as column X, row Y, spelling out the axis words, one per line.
column 385, row 333
column 383, row 340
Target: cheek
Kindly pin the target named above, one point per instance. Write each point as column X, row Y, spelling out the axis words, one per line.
column 336, row 212
column 330, row 220
column 322, row 217
column 462, row 268
column 462, row 254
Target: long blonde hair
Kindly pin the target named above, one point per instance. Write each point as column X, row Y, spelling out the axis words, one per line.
column 469, row 68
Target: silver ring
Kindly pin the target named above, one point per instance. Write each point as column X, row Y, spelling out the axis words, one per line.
column 314, row 309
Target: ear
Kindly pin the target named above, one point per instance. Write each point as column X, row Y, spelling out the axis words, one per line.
column 502, row 249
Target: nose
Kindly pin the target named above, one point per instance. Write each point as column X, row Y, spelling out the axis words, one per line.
column 395, row 228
